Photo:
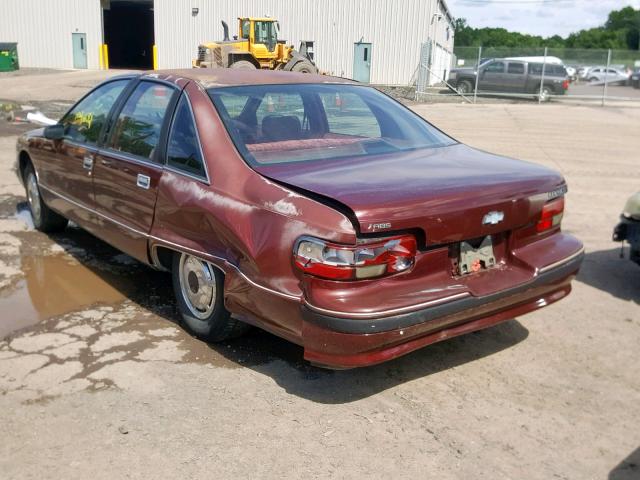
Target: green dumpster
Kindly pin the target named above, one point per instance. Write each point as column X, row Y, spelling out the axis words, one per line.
column 9, row 57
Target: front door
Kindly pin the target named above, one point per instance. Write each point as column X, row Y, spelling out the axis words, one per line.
column 79, row 41
column 69, row 167
column 492, row 77
column 127, row 171
column 362, row 62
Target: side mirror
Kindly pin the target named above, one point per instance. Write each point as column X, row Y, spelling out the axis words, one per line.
column 54, row 132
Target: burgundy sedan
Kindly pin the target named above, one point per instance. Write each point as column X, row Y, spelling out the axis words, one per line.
column 313, row 207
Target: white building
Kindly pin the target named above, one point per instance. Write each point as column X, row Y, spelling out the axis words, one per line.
column 378, row 39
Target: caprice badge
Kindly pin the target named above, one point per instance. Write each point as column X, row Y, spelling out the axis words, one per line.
column 493, row 218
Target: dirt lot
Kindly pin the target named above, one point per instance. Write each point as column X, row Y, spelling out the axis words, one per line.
column 97, row 379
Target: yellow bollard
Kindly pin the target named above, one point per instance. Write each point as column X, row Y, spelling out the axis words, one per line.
column 101, row 58
column 105, row 55
column 155, row 57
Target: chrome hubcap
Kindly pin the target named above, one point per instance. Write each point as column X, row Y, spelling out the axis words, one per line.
column 33, row 196
column 198, row 286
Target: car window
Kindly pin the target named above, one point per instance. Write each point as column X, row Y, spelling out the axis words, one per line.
column 516, row 68
column 281, row 104
column 612, row 71
column 85, row 121
column 495, row 67
column 348, row 114
column 316, row 122
column 183, row 150
column 137, row 130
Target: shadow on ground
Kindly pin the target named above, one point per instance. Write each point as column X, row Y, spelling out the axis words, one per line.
column 606, row 271
column 628, row 469
column 259, row 350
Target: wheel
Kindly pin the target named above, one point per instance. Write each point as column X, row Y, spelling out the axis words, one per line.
column 199, row 287
column 44, row 219
column 593, row 79
column 304, row 67
column 243, row 65
column 545, row 94
column 464, row 87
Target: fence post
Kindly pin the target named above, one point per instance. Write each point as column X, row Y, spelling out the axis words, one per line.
column 606, row 72
column 544, row 64
column 475, row 88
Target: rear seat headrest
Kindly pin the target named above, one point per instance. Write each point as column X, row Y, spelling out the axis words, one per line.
column 281, row 127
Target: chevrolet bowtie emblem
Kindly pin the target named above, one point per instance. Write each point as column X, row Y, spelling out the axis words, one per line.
column 493, row 218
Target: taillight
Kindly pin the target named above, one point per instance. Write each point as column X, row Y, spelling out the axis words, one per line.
column 551, row 215
column 368, row 260
column 565, row 85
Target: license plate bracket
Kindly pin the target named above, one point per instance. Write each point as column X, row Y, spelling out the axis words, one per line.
column 474, row 259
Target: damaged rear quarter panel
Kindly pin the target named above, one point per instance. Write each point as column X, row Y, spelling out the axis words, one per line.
column 240, row 217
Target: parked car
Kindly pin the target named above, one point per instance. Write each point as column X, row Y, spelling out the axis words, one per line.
column 608, row 75
column 313, row 207
column 628, row 229
column 512, row 76
column 635, row 78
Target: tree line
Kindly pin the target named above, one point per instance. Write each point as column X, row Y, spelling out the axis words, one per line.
column 621, row 31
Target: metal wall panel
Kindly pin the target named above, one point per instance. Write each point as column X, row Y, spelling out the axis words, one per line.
column 43, row 30
column 396, row 28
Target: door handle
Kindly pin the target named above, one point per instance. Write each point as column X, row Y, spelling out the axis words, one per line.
column 87, row 162
column 143, row 181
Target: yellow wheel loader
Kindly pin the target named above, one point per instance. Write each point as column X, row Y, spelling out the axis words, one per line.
column 255, row 46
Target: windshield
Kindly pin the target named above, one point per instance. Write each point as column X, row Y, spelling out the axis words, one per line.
column 313, row 122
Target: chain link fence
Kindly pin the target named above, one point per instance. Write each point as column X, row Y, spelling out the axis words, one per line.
column 478, row 74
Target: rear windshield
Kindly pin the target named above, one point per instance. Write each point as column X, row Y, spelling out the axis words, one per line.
column 312, row 122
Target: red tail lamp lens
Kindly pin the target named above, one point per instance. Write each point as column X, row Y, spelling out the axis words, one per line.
column 551, row 215
column 369, row 260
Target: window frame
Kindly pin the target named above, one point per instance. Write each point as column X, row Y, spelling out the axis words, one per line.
column 159, row 155
column 206, row 179
column 109, row 117
column 520, row 64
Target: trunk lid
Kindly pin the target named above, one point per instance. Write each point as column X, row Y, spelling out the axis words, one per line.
column 447, row 192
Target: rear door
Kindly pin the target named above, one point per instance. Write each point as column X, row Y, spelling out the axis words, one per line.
column 515, row 78
column 127, row 170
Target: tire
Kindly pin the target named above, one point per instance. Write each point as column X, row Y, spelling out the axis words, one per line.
column 44, row 219
column 545, row 94
column 593, row 79
column 464, row 87
column 199, row 290
column 304, row 67
column 243, row 65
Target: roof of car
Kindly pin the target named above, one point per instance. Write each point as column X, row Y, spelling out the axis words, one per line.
column 225, row 77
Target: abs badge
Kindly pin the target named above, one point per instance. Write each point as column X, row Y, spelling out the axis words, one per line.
column 493, row 218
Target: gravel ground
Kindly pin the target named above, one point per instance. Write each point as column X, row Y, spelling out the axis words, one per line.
column 97, row 379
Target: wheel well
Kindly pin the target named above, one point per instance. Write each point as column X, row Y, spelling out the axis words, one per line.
column 162, row 257
column 23, row 160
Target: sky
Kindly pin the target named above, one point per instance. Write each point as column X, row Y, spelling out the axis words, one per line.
column 537, row 17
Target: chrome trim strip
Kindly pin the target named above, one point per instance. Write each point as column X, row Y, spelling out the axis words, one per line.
column 560, row 262
column 392, row 311
column 126, row 157
column 203, row 255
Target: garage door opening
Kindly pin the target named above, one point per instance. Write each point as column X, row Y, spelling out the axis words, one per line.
column 129, row 33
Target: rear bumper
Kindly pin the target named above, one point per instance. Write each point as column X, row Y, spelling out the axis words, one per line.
column 341, row 342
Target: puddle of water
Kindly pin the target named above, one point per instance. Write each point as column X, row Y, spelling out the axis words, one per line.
column 53, row 285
